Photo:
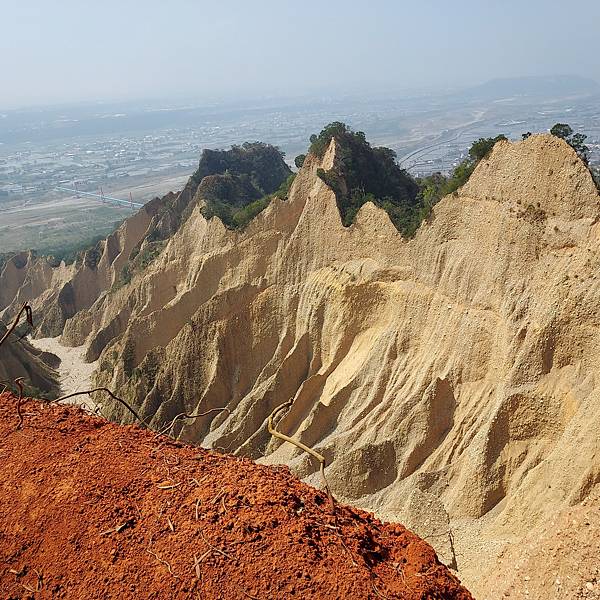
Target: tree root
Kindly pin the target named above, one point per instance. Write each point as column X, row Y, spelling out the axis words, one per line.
column 300, row 445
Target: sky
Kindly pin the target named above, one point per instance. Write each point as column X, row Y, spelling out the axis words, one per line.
column 110, row 50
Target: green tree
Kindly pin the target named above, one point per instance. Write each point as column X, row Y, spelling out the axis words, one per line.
column 336, row 129
column 434, row 187
column 483, row 146
column 595, row 171
column 575, row 140
column 524, row 136
column 562, row 130
column 239, row 183
column 299, row 160
column 366, row 174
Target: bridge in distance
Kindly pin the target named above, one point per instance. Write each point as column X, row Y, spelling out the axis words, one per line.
column 102, row 197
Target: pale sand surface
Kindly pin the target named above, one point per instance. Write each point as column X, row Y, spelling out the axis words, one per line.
column 75, row 374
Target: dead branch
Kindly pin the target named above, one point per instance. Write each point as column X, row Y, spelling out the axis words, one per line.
column 106, row 390
column 300, row 445
column 25, row 309
column 169, row 427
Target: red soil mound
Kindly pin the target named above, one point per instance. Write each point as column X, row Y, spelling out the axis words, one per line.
column 89, row 509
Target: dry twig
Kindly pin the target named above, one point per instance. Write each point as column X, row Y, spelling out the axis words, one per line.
column 194, row 480
column 103, row 389
column 170, row 486
column 19, row 384
column 377, row 592
column 169, row 427
column 164, row 562
column 400, row 570
column 38, row 584
column 218, row 497
column 197, row 562
column 197, row 565
column 354, row 563
column 247, row 594
column 214, row 548
column 118, row 528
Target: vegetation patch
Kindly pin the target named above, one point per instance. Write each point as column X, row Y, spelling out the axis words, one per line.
column 434, row 187
column 235, row 216
column 363, row 173
column 366, row 174
column 577, row 141
column 238, row 184
column 139, row 259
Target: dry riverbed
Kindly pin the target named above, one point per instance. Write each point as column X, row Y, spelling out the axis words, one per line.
column 75, row 375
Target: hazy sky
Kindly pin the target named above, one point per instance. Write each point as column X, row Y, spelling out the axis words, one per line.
column 67, row 50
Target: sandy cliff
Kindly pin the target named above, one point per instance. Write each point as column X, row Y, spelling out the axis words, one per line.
column 450, row 380
column 18, row 358
column 57, row 293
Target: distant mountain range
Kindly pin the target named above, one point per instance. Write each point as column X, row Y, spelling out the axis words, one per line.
column 554, row 86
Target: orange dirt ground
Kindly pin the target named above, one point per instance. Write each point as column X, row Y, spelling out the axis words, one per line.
column 90, row 509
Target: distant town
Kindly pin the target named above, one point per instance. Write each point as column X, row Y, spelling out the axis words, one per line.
column 134, row 153
column 35, row 171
